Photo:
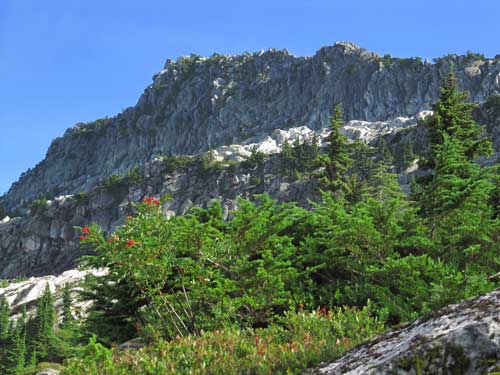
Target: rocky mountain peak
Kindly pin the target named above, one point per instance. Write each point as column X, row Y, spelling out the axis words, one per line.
column 199, row 103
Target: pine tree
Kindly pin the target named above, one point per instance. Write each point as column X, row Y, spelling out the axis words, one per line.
column 453, row 118
column 338, row 158
column 461, row 214
column 16, row 349
column 4, row 317
column 45, row 320
column 67, row 315
column 384, row 153
column 408, row 154
column 6, row 333
column 451, row 122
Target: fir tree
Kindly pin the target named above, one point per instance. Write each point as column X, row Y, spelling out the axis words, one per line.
column 45, row 320
column 338, row 158
column 4, row 317
column 67, row 315
column 461, row 215
column 384, row 153
column 408, row 154
column 16, row 349
column 453, row 118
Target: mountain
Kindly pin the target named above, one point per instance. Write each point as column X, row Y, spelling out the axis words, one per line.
column 195, row 104
column 230, row 105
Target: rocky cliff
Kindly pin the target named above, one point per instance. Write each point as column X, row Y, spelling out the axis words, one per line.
column 44, row 240
column 196, row 103
column 461, row 339
column 232, row 105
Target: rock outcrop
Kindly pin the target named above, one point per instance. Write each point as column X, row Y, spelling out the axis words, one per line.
column 27, row 292
column 195, row 104
column 45, row 241
column 461, row 339
column 231, row 105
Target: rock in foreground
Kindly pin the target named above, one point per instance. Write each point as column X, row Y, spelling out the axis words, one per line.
column 460, row 339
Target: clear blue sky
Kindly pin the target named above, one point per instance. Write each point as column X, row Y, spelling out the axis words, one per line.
column 65, row 61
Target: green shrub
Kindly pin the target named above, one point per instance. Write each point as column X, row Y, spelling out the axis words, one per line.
column 81, row 198
column 256, row 158
column 174, row 162
column 300, row 340
column 38, row 206
column 387, row 60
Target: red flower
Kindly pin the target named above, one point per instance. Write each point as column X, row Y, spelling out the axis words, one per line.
column 130, row 243
column 86, row 230
column 150, row 201
column 82, row 238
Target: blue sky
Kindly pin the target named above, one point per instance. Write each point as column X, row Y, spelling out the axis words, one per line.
column 66, row 61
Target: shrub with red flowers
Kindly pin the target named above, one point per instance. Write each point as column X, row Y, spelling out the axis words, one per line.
column 151, row 201
column 199, row 272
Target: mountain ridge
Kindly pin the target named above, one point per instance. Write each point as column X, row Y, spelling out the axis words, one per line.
column 196, row 103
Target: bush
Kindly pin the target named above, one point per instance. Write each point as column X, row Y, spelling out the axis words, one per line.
column 38, row 206
column 300, row 340
column 173, row 162
column 185, row 274
column 256, row 158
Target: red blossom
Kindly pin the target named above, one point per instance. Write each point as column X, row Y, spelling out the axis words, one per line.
column 82, row 238
column 86, row 230
column 150, row 201
column 130, row 243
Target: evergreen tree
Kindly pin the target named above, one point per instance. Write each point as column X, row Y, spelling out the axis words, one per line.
column 4, row 317
column 6, row 336
column 67, row 315
column 451, row 123
column 16, row 349
column 383, row 184
column 338, row 158
column 453, row 118
column 408, row 154
column 384, row 153
column 44, row 324
column 461, row 215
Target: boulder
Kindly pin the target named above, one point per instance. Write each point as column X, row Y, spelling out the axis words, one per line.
column 462, row 339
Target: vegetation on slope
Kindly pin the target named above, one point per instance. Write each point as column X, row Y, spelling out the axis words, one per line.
column 276, row 287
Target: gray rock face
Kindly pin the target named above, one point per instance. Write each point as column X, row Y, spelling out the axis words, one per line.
column 460, row 339
column 44, row 241
column 26, row 293
column 195, row 104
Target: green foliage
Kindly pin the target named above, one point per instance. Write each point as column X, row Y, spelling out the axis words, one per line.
column 387, row 60
column 456, row 199
column 300, row 158
column 453, row 118
column 256, row 158
column 474, row 56
column 174, row 162
column 67, row 314
column 25, row 342
column 38, row 206
column 117, row 184
column 208, row 293
column 195, row 272
column 42, row 335
column 81, row 198
column 301, row 339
